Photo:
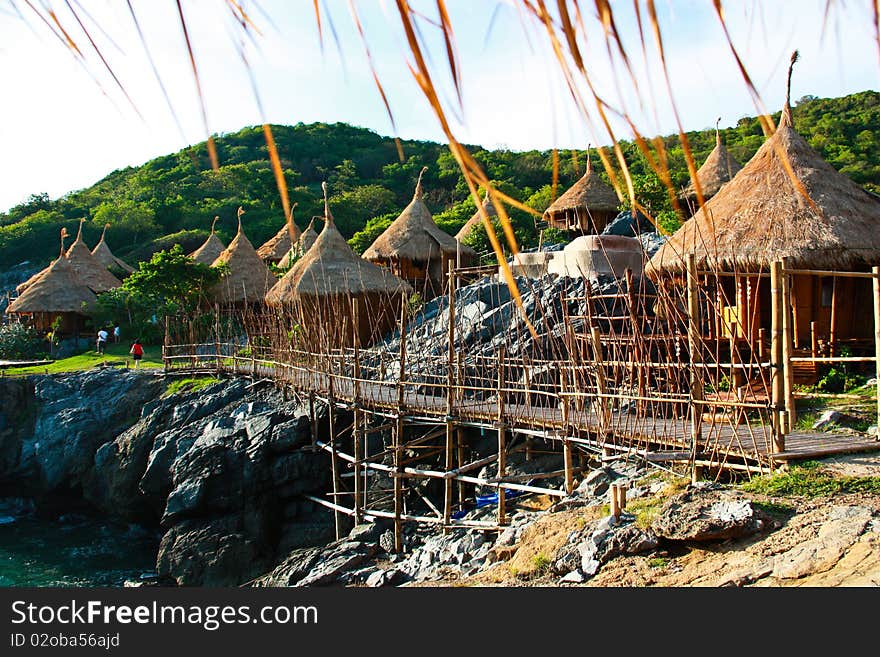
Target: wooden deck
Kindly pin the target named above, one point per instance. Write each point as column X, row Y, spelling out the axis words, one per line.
column 723, row 443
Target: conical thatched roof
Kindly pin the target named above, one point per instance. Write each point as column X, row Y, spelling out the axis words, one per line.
column 249, row 278
column 761, row 216
column 720, row 166
column 414, row 235
column 590, row 193
column 87, row 268
column 279, row 246
column 208, row 252
column 57, row 290
column 476, row 220
column 330, row 267
column 303, row 244
column 105, row 256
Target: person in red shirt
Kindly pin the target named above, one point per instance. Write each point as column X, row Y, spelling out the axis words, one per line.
column 137, row 352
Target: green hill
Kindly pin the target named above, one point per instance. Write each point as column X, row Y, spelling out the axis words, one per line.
column 174, row 197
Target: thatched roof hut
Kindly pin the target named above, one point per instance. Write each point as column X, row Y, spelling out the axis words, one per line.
column 87, row 268
column 415, row 249
column 104, row 255
column 248, row 279
column 719, row 168
column 814, row 216
column 477, row 219
column 58, row 291
column 279, row 246
column 301, row 246
column 761, row 215
column 325, row 280
column 585, row 207
column 208, row 252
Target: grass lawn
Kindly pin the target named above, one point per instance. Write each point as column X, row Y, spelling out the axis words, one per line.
column 116, row 354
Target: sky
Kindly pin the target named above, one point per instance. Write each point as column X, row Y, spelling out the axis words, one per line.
column 65, row 123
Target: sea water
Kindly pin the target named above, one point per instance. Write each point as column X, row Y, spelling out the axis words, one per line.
column 73, row 550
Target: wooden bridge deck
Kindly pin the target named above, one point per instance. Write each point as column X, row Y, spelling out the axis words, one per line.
column 723, row 444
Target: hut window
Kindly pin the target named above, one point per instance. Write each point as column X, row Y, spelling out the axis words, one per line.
column 827, row 292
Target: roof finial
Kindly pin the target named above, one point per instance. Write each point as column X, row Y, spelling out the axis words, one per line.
column 79, row 232
column 589, row 161
column 240, row 212
column 63, row 235
column 104, row 232
column 328, row 218
column 291, row 227
column 418, row 192
column 717, row 133
column 214, row 223
column 785, row 119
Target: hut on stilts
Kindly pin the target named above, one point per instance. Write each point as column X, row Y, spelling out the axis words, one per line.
column 58, row 292
column 277, row 247
column 248, row 278
column 787, row 203
column 416, row 250
column 88, row 268
column 336, row 298
column 586, row 207
column 104, row 255
column 718, row 169
column 208, row 252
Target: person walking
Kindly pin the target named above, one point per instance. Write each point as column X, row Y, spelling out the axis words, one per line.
column 117, row 333
column 137, row 352
column 101, row 342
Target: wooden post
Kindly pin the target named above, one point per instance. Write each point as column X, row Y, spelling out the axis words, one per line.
column 694, row 346
column 398, row 484
column 876, row 272
column 502, row 438
column 614, row 501
column 832, row 332
column 601, row 387
column 398, row 437
column 334, row 468
column 790, row 416
column 313, row 420
column 217, row 336
column 450, row 401
column 357, row 434
column 567, row 460
column 814, row 346
column 776, row 340
column 621, row 496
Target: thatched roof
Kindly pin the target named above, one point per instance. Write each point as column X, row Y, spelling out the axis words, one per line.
column 279, row 246
column 414, row 235
column 105, row 256
column 208, row 252
column 720, row 166
column 249, row 278
column 476, row 220
column 57, row 290
column 303, row 244
column 761, row 216
column 330, row 268
column 87, row 268
column 590, row 193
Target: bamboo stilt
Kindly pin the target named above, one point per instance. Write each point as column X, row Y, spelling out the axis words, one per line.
column 876, row 272
column 694, row 347
column 787, row 348
column 776, row 341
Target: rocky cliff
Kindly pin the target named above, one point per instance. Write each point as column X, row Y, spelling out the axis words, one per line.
column 218, row 471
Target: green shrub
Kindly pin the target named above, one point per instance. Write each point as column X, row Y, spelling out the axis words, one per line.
column 21, row 342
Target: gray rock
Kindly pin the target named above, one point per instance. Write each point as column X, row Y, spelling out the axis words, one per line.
column 707, row 514
column 828, row 419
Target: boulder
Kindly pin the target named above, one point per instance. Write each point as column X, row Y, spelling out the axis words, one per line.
column 707, row 514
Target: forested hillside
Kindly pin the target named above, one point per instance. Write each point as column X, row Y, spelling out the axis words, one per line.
column 173, row 198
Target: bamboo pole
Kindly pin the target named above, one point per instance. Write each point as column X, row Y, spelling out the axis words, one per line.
column 876, row 272
column 776, row 341
column 502, row 436
column 397, row 437
column 357, row 435
column 696, row 358
column 601, row 388
column 787, row 348
column 832, row 331
column 334, row 467
column 450, row 401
